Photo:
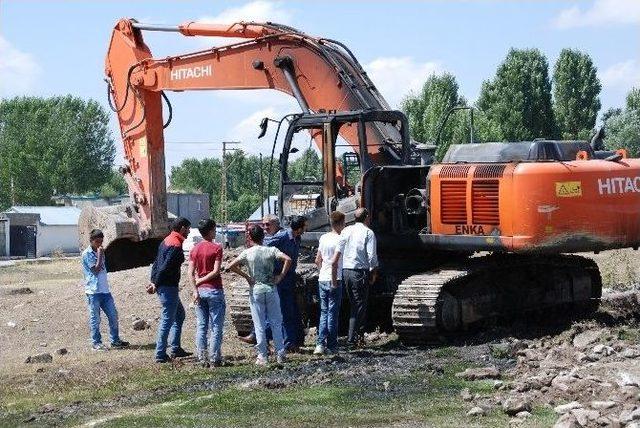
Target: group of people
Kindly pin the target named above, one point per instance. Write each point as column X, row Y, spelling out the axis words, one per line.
column 346, row 259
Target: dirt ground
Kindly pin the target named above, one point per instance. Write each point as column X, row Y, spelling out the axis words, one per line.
column 541, row 363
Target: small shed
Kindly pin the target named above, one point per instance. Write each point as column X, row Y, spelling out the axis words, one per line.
column 192, row 206
column 37, row 231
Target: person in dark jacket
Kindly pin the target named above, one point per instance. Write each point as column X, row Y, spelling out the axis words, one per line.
column 165, row 276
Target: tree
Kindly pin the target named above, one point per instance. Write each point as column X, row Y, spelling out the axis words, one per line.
column 622, row 129
column 517, row 101
column 575, row 94
column 243, row 176
column 52, row 146
column 427, row 109
column 116, row 186
column 306, row 166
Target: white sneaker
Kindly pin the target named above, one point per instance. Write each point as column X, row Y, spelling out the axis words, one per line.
column 99, row 347
column 261, row 361
column 320, row 350
column 281, row 358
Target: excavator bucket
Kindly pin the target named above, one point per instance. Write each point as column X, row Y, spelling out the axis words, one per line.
column 125, row 247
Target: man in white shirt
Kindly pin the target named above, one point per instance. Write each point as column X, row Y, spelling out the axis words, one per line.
column 329, row 261
column 359, row 263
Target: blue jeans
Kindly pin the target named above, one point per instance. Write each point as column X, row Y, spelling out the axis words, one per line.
column 171, row 319
column 291, row 318
column 210, row 312
column 330, row 300
column 266, row 307
column 103, row 301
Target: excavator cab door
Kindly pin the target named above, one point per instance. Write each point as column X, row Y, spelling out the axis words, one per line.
column 304, row 190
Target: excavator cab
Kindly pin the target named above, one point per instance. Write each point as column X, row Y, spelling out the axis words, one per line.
column 339, row 185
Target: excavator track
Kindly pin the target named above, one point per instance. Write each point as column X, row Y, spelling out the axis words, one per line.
column 431, row 305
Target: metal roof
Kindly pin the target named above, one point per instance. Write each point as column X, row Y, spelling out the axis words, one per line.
column 52, row 216
column 271, row 201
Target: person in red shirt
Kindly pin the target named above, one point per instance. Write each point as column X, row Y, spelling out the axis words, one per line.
column 205, row 262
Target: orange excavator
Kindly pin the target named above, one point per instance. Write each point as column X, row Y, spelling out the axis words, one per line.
column 483, row 233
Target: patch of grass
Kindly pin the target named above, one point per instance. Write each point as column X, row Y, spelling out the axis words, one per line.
column 445, row 352
column 16, row 404
column 630, row 334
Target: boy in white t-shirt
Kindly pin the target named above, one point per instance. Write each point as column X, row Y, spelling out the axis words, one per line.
column 329, row 261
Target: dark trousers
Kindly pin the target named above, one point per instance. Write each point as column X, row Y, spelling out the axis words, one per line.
column 357, row 283
column 291, row 317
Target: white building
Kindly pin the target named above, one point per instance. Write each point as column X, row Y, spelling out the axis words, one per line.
column 49, row 229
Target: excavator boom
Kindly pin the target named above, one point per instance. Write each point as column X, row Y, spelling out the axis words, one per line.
column 321, row 74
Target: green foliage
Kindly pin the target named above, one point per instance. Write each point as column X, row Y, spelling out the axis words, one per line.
column 517, row 102
column 116, row 186
column 51, row 146
column 575, row 94
column 426, row 111
column 243, row 179
column 306, row 166
column 622, row 127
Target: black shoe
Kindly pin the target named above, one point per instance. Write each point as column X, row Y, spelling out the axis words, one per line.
column 163, row 359
column 119, row 344
column 180, row 353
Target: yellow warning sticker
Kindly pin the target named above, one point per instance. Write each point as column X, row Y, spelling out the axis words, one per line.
column 568, row 189
column 142, row 142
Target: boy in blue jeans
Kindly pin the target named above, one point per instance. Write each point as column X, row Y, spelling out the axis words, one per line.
column 205, row 261
column 99, row 297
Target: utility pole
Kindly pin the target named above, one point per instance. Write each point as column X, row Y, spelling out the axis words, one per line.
column 261, row 190
column 223, row 190
column 13, row 193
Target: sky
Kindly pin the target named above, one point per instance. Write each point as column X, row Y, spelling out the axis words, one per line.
column 58, row 47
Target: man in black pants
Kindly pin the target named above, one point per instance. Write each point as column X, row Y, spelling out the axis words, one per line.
column 360, row 264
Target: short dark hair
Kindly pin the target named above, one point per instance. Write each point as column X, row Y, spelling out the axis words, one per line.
column 337, row 218
column 361, row 214
column 206, row 226
column 256, row 233
column 179, row 223
column 95, row 234
column 297, row 222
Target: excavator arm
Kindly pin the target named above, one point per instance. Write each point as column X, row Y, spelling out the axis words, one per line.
column 321, row 74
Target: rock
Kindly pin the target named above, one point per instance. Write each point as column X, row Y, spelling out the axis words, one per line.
column 43, row 345
column 523, row 415
column 627, row 379
column 466, row 395
column 497, row 384
column 602, row 405
column 630, row 353
column 140, row 325
column 479, row 373
column 11, row 324
column 40, row 370
column 29, row 419
column 386, row 385
column 585, row 416
column 515, row 405
column 562, row 382
column 21, row 290
column 603, row 349
column 64, row 372
column 62, row 351
column 40, row 358
column 476, row 411
column 566, row 421
column 635, row 415
column 47, row 408
column 565, row 408
column 586, row 338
